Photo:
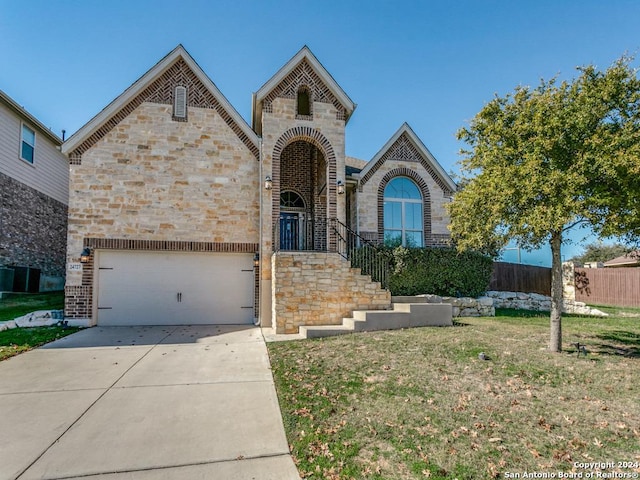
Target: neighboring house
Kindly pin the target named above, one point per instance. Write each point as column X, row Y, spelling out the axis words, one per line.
column 631, row 259
column 186, row 214
column 34, row 191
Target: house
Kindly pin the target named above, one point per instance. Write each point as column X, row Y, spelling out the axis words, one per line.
column 631, row 259
column 34, row 189
column 182, row 212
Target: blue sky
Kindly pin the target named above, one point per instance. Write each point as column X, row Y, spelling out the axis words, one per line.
column 433, row 64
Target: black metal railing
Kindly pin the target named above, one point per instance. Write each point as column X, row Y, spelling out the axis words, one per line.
column 300, row 232
column 371, row 258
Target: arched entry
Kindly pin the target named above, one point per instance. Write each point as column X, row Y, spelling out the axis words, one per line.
column 304, row 162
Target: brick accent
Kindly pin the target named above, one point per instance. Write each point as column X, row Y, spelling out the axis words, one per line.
column 426, row 201
column 303, row 169
column 33, row 228
column 311, row 288
column 298, row 164
column 161, row 91
column 77, row 301
column 304, row 76
column 79, row 298
column 404, row 150
column 168, row 245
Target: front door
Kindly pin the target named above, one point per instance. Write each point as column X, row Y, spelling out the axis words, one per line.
column 290, row 231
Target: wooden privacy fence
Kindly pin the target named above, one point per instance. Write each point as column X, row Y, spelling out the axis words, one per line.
column 515, row 277
column 619, row 287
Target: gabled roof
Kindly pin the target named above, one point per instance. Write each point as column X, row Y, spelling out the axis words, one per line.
column 429, row 162
column 33, row 121
column 325, row 77
column 131, row 94
column 630, row 259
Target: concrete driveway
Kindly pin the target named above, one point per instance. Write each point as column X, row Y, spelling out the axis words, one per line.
column 141, row 403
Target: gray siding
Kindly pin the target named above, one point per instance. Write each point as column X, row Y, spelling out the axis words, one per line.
column 49, row 173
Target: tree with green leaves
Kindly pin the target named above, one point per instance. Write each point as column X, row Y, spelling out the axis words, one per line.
column 601, row 252
column 544, row 160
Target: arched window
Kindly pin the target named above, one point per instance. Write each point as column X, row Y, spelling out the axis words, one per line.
column 304, row 102
column 403, row 218
column 289, row 199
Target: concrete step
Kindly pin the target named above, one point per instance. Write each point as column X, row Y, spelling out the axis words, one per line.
column 320, row 331
column 427, row 314
column 403, row 315
column 366, row 320
column 408, row 299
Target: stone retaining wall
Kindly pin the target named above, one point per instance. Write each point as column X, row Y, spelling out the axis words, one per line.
column 464, row 306
column 542, row 303
column 485, row 306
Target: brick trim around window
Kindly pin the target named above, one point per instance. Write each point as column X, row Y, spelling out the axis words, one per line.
column 426, row 201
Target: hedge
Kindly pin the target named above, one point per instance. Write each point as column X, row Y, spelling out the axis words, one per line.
column 440, row 271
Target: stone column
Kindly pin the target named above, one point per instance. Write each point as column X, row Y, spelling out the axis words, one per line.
column 568, row 281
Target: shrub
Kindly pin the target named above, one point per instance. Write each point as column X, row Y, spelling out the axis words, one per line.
column 440, row 271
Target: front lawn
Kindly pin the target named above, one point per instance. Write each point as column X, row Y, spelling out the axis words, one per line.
column 18, row 340
column 19, row 305
column 419, row 403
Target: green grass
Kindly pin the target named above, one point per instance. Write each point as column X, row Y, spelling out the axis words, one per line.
column 18, row 340
column 418, row 403
column 20, row 305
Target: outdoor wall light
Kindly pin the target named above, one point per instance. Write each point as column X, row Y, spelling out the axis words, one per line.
column 256, row 260
column 268, row 183
column 85, row 256
column 340, row 187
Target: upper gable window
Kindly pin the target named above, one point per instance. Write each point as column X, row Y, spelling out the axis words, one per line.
column 27, row 144
column 180, row 103
column 304, row 102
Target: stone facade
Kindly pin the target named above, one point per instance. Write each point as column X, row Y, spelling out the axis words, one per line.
column 157, row 179
column 325, row 133
column 144, row 177
column 303, row 154
column 320, row 289
column 32, row 228
column 403, row 159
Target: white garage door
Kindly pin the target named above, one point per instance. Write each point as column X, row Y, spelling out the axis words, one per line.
column 160, row 288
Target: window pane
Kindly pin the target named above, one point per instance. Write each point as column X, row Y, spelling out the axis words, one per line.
column 409, row 189
column 390, row 191
column 28, row 135
column 413, row 216
column 413, row 239
column 392, row 215
column 392, row 238
column 27, row 152
column 402, row 187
